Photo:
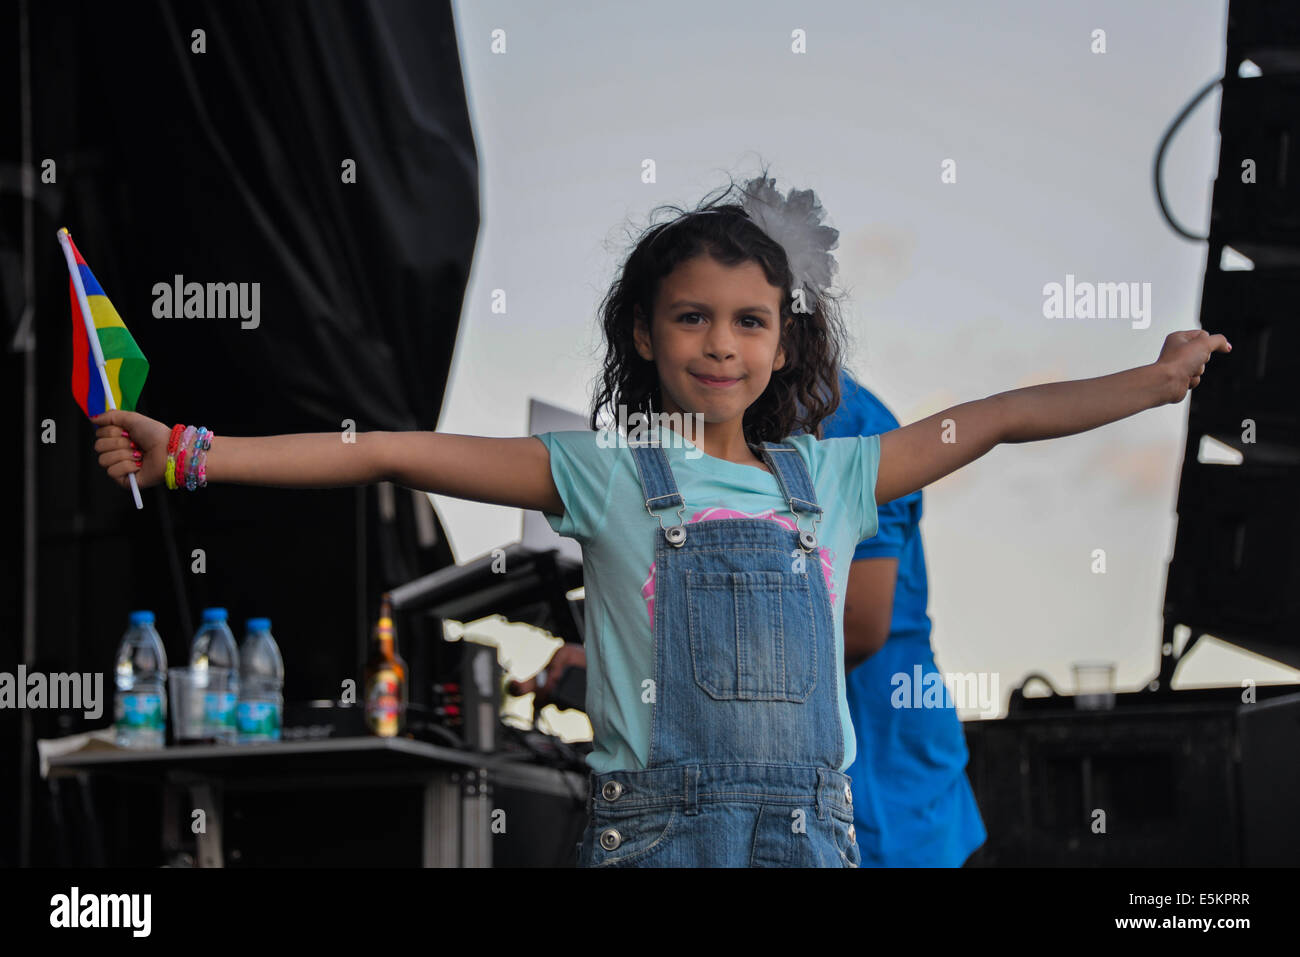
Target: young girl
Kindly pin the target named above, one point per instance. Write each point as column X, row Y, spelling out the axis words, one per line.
column 714, row 563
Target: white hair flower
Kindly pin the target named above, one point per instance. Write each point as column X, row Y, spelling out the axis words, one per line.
column 795, row 223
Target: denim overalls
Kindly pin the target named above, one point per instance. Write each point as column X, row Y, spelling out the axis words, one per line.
column 745, row 737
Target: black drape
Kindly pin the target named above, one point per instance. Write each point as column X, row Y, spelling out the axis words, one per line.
column 228, row 166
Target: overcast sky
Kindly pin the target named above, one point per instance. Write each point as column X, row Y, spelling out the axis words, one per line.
column 1052, row 145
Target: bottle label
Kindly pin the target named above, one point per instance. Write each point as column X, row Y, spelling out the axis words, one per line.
column 141, row 711
column 383, row 704
column 219, row 709
column 259, row 720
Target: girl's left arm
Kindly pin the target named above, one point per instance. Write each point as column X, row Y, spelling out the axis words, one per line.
column 923, row 452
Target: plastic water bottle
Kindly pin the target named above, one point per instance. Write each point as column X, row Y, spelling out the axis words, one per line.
column 214, row 647
column 261, row 682
column 140, row 706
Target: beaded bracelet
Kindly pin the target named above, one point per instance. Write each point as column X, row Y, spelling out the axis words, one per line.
column 203, row 461
column 187, row 457
column 201, row 443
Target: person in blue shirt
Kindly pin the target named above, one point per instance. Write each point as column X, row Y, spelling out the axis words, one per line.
column 913, row 804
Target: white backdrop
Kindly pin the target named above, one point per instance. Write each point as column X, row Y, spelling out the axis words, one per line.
column 1052, row 145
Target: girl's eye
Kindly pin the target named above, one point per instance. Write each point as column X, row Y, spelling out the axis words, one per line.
column 757, row 322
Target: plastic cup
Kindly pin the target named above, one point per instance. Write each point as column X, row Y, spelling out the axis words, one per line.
column 189, row 688
column 1094, row 685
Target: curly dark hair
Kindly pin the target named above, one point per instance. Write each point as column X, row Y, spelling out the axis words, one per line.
column 800, row 394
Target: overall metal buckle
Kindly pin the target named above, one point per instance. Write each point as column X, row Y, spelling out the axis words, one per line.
column 676, row 535
column 807, row 537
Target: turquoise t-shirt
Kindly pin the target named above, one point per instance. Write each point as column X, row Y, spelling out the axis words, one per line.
column 604, row 511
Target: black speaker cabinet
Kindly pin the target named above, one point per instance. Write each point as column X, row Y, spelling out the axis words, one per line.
column 1181, row 779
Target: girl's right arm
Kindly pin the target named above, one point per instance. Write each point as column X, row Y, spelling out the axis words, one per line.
column 511, row 471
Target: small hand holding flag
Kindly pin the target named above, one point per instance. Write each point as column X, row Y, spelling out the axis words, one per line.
column 108, row 368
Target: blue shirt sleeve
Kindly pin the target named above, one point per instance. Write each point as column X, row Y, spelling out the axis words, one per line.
column 580, row 468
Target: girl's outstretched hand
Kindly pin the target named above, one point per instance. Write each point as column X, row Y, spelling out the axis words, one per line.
column 130, row 442
column 1184, row 356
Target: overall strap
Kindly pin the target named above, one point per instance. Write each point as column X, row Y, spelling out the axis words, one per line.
column 659, row 487
column 796, row 486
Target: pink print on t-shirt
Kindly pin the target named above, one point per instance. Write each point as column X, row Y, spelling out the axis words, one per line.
column 823, row 554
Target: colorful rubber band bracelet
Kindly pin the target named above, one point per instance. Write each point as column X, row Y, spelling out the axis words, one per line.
column 169, row 473
column 192, row 462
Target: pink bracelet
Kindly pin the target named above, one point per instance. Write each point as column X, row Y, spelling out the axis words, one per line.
column 186, row 438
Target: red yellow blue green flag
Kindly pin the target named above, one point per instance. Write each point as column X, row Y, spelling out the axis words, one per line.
column 108, row 368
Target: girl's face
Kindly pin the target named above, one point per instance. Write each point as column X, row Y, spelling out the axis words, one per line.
column 714, row 340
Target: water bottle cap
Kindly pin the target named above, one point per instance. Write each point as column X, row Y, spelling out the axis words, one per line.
column 141, row 618
column 214, row 614
column 258, row 624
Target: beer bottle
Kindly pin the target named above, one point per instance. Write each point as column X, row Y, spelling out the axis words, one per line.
column 385, row 678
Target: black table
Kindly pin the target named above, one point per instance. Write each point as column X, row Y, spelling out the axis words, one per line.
column 457, row 818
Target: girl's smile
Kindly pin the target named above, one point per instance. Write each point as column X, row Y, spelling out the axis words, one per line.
column 713, row 382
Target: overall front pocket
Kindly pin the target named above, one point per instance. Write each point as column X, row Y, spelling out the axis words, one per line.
column 631, row 837
column 753, row 635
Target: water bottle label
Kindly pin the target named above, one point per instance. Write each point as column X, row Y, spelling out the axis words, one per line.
column 259, row 720
column 141, row 711
column 219, row 709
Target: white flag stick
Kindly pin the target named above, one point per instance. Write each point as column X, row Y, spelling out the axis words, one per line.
column 93, row 335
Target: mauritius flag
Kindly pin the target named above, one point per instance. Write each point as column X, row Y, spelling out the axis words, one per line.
column 105, row 359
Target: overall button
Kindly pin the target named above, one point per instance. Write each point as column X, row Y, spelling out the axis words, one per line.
column 610, row 838
column 848, row 793
column 612, row 791
column 853, row 835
